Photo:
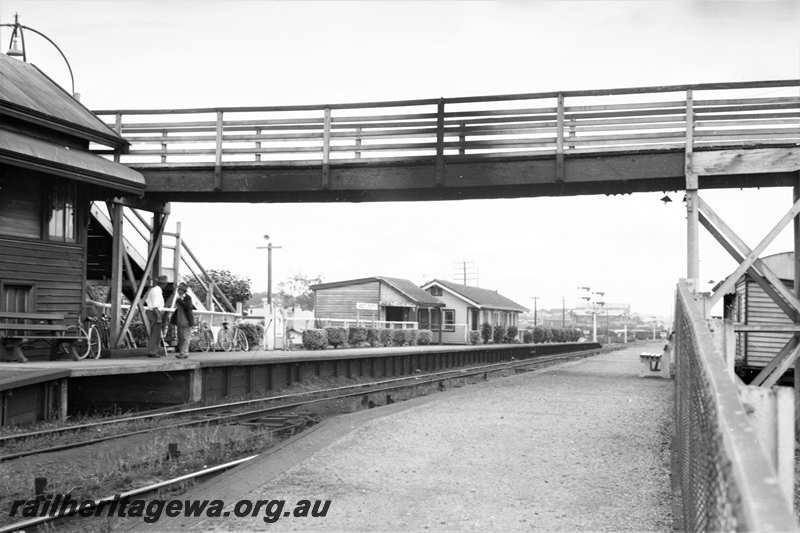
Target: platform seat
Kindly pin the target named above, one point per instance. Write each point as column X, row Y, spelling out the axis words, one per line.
column 18, row 329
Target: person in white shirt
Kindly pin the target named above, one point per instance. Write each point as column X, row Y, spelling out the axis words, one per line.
column 154, row 300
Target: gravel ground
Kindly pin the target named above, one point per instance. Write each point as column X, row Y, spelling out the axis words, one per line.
column 578, row 447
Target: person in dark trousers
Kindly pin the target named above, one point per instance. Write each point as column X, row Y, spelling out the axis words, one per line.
column 154, row 300
column 183, row 320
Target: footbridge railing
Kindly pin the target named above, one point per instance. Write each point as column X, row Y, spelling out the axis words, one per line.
column 562, row 122
column 728, row 479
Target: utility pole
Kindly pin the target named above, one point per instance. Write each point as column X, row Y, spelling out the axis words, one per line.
column 535, row 310
column 269, row 247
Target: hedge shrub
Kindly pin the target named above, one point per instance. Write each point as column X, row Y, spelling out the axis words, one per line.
column 540, row 334
column 315, row 339
column 411, row 336
column 385, row 337
column 356, row 336
column 336, row 336
column 486, row 332
column 527, row 336
column 373, row 337
column 398, row 337
column 498, row 334
column 474, row 337
column 424, row 337
column 511, row 334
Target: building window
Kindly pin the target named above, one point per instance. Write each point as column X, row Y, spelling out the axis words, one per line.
column 435, row 291
column 449, row 320
column 16, row 297
column 61, row 212
column 20, row 206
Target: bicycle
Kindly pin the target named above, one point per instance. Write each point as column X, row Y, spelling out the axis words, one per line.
column 232, row 339
column 91, row 343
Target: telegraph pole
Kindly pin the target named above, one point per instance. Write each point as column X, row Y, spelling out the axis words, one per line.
column 269, row 247
column 535, row 317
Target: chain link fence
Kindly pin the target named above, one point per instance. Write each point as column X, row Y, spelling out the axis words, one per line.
column 726, row 480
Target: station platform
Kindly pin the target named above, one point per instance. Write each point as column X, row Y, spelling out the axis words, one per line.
column 583, row 446
column 132, row 383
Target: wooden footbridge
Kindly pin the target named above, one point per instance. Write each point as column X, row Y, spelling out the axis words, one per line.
column 555, row 143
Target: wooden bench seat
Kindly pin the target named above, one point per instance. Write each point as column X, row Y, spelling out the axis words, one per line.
column 17, row 329
column 651, row 359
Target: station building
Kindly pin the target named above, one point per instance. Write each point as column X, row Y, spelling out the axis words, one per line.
column 448, row 309
column 48, row 179
column 388, row 302
column 467, row 307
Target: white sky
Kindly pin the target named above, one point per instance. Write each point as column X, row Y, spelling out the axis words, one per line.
column 139, row 54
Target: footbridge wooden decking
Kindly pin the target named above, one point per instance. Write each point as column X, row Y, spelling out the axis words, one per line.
column 556, row 143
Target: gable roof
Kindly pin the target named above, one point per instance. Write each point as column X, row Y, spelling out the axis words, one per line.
column 26, row 93
column 407, row 288
column 484, row 298
column 412, row 290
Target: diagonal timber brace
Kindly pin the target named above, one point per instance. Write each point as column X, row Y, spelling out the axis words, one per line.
column 757, row 277
column 771, row 373
column 155, row 248
column 730, row 281
column 739, row 251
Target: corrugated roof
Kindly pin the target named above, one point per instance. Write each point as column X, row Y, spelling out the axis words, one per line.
column 36, row 154
column 28, row 94
column 483, row 297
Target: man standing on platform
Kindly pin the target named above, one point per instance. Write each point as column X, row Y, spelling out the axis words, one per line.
column 183, row 319
column 154, row 300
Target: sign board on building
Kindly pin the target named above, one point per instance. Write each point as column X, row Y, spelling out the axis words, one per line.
column 364, row 306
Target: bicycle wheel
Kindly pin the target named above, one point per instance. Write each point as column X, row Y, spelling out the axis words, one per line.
column 205, row 340
column 225, row 339
column 240, row 343
column 95, row 342
column 83, row 345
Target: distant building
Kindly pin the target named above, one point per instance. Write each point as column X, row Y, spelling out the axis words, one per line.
column 749, row 304
column 467, row 307
column 388, row 302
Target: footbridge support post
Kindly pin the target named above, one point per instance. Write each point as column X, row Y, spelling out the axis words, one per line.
column 692, row 213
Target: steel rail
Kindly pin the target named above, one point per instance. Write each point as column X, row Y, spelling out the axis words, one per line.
column 357, row 390
column 17, row 526
column 481, row 369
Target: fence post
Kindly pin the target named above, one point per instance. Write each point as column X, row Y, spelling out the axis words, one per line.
column 164, row 146
column 440, row 143
column 258, row 145
column 560, row 138
column 118, row 129
column 772, row 413
column 218, row 154
column 462, row 139
column 358, row 143
column 326, row 148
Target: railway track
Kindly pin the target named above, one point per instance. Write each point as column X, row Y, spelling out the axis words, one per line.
column 283, row 417
column 247, row 411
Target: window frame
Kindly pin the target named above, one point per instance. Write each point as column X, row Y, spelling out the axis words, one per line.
column 448, row 326
column 47, row 212
column 22, row 283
